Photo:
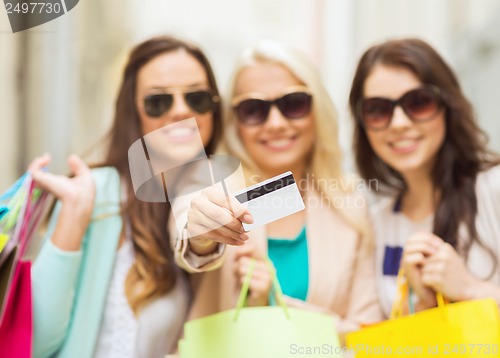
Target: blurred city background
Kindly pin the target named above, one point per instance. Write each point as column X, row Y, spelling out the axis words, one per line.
column 58, row 81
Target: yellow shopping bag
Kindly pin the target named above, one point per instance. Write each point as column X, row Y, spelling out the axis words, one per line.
column 459, row 330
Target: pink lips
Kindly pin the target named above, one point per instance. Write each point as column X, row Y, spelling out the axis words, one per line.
column 404, row 145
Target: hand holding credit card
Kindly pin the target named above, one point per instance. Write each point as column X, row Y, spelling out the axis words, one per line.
column 271, row 200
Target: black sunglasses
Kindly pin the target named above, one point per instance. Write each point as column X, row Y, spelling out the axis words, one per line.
column 251, row 109
column 420, row 105
column 200, row 101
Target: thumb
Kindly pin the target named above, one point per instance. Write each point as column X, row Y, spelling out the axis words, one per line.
column 77, row 166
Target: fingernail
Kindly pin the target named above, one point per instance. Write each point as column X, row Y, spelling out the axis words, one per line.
column 244, row 237
column 247, row 218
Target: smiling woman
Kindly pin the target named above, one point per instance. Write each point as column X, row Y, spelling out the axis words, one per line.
column 416, row 134
column 411, row 143
column 171, row 87
column 283, row 139
column 105, row 283
column 281, row 118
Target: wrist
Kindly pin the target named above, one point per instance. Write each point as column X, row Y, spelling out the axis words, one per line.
column 201, row 246
column 257, row 301
column 425, row 300
column 421, row 305
column 473, row 290
column 75, row 209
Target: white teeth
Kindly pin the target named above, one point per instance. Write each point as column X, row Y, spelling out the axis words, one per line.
column 279, row 143
column 404, row 143
column 180, row 132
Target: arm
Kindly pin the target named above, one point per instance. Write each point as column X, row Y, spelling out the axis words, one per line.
column 54, row 280
column 419, row 247
column 445, row 271
column 484, row 289
column 205, row 225
column 56, row 270
column 432, row 265
column 261, row 279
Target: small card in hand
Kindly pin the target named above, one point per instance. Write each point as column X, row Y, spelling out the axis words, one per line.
column 271, row 200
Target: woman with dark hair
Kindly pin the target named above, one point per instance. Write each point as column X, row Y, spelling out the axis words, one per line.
column 417, row 135
column 105, row 283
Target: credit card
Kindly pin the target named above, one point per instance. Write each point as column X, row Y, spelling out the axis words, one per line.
column 271, row 200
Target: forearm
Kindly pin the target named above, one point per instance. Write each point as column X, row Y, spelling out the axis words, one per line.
column 70, row 228
column 484, row 289
column 191, row 261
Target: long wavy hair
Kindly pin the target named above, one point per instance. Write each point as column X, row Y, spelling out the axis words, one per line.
column 152, row 273
column 462, row 156
column 324, row 165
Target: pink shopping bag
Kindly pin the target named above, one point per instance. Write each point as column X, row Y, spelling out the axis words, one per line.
column 16, row 308
column 17, row 321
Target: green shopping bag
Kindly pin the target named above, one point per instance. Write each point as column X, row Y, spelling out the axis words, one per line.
column 261, row 332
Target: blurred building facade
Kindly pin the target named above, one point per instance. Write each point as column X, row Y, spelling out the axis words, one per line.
column 58, row 81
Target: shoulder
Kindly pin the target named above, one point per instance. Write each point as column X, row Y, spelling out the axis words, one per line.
column 488, row 186
column 105, row 175
column 489, row 179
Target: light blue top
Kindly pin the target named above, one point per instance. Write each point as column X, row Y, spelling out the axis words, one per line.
column 290, row 258
column 70, row 288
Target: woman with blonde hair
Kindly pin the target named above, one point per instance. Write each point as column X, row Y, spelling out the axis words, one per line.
column 280, row 119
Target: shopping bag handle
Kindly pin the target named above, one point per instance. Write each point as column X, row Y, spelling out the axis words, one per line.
column 16, row 198
column 404, row 293
column 246, row 286
column 10, row 192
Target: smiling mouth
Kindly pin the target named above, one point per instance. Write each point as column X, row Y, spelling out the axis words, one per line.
column 180, row 133
column 405, row 144
column 279, row 144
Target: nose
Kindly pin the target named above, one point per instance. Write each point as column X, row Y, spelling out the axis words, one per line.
column 275, row 120
column 400, row 119
column 180, row 109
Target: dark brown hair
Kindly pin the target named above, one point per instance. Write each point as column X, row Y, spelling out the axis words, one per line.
column 153, row 271
column 462, row 155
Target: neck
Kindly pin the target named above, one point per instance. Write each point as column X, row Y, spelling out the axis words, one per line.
column 420, row 198
column 298, row 172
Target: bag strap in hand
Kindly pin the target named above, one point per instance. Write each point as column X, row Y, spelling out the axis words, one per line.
column 9, row 194
column 246, row 286
column 404, row 293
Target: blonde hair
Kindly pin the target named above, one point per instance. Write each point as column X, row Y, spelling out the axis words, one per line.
column 325, row 164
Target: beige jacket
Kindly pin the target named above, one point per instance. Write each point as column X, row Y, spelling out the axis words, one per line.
column 341, row 273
